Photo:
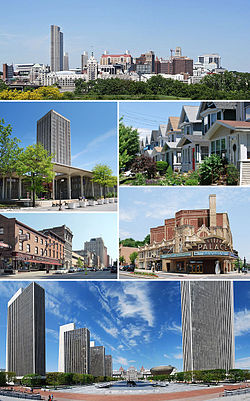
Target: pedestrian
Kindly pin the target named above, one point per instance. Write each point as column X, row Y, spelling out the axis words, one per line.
column 49, row 398
column 52, row 397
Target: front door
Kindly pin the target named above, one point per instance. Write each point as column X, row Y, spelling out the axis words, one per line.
column 196, row 267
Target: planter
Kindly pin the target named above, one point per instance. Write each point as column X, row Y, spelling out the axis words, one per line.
column 111, row 200
column 115, row 200
column 105, row 201
column 91, row 202
column 100, row 201
column 83, row 203
column 72, row 205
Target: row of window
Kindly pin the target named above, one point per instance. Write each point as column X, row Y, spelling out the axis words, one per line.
column 43, row 252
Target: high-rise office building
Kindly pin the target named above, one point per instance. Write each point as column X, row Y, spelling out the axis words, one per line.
column 97, row 361
column 207, row 325
column 25, row 348
column 53, row 132
column 84, row 60
column 92, row 68
column 108, row 366
column 56, row 48
column 96, row 245
column 65, row 62
column 74, row 349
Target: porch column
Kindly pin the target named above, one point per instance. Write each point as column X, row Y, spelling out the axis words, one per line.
column 53, row 188
column 19, row 188
column 82, row 193
column 69, row 186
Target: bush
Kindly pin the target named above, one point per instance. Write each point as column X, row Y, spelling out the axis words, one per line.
column 210, row 170
column 232, row 174
column 161, row 167
column 31, row 380
column 169, row 171
column 2, row 378
column 139, row 179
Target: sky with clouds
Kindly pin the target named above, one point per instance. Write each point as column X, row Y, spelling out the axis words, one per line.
column 93, row 128
column 83, row 225
column 139, row 26
column 146, row 207
column 139, row 323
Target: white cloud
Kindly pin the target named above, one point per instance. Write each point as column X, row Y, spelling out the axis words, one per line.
column 174, row 327
column 243, row 363
column 121, row 360
column 127, row 215
column 124, row 234
column 242, row 322
column 166, row 356
column 121, row 347
column 177, row 356
column 93, row 144
column 53, row 333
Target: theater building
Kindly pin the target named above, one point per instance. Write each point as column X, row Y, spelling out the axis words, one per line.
column 23, row 248
column 194, row 241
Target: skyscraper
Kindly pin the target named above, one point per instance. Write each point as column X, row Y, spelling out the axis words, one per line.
column 97, row 361
column 65, row 62
column 92, row 66
column 25, row 348
column 207, row 325
column 74, row 349
column 53, row 132
column 108, row 365
column 96, row 245
column 56, row 48
column 84, row 60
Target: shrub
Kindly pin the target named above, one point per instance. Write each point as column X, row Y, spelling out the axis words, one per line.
column 2, row 378
column 232, row 174
column 31, row 380
column 139, row 179
column 210, row 170
column 161, row 166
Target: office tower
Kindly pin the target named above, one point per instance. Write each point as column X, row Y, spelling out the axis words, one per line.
column 74, row 349
column 65, row 62
column 97, row 361
column 25, row 348
column 96, row 245
column 53, row 132
column 92, row 67
column 56, row 48
column 207, row 325
column 84, row 61
column 108, row 365
column 8, row 72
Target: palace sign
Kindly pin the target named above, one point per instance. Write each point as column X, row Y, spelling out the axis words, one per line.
column 212, row 244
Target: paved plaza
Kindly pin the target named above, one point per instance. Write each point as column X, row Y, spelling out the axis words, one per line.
column 41, row 275
column 109, row 207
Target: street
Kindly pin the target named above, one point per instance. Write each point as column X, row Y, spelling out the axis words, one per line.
column 177, row 276
column 41, row 275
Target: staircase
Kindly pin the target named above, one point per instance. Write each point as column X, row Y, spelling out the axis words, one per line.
column 245, row 172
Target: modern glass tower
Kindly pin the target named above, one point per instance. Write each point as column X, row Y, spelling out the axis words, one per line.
column 53, row 132
column 207, row 325
column 74, row 349
column 97, row 361
column 25, row 348
column 56, row 48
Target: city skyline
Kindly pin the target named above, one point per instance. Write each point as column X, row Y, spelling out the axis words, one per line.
column 32, row 44
column 93, row 140
column 84, row 227
column 141, row 209
column 148, row 334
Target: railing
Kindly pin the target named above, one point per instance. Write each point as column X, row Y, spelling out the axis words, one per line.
column 15, row 394
column 239, row 391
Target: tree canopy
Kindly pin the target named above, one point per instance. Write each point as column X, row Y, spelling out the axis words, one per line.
column 102, row 175
column 128, row 146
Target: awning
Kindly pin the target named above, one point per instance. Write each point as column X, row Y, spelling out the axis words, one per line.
column 3, row 245
column 44, row 263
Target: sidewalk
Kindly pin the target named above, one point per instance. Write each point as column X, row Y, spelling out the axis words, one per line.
column 180, row 276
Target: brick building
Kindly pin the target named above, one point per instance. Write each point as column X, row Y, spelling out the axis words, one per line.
column 112, row 59
column 176, row 65
column 194, row 241
column 126, row 251
column 24, row 248
column 66, row 235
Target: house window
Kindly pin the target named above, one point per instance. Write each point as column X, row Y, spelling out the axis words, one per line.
column 41, row 240
column 20, row 246
column 247, row 113
column 36, row 239
column 36, row 250
column 213, row 147
column 28, row 235
column 217, row 144
column 1, row 230
column 28, row 247
column 204, row 152
column 197, row 149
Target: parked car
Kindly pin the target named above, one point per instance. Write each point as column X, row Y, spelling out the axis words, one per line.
column 131, row 268
column 113, row 269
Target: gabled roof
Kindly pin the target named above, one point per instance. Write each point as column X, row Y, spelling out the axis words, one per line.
column 172, row 145
column 231, row 125
column 173, row 123
column 191, row 112
column 197, row 139
column 163, row 129
column 216, row 105
column 154, row 135
column 157, row 149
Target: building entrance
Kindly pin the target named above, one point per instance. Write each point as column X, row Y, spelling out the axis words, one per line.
column 195, row 266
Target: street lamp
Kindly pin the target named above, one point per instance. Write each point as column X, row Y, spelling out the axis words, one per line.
column 60, row 201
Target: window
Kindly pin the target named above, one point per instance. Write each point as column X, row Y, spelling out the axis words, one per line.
column 45, row 253
column 204, row 152
column 41, row 241
column 213, row 147
column 219, row 147
column 28, row 247
column 247, row 113
column 20, row 246
column 36, row 250
column 1, row 230
column 20, row 231
column 41, row 252
column 248, row 146
column 197, row 151
column 36, row 239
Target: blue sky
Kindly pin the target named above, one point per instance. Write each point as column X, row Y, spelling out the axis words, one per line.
column 142, row 208
column 93, row 128
column 142, row 25
column 83, row 225
column 147, row 116
column 139, row 323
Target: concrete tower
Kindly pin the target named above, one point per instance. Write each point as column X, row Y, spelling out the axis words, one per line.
column 207, row 325
column 25, row 348
column 65, row 62
column 56, row 48
column 212, row 211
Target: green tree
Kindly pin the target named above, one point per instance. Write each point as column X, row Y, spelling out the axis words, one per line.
column 102, row 175
column 121, row 259
column 2, row 378
column 161, row 166
column 128, row 146
column 79, row 263
column 35, row 165
column 210, row 170
column 11, row 377
column 9, row 152
column 31, row 380
column 133, row 257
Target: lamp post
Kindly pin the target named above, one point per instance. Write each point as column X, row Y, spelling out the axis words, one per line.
column 60, row 200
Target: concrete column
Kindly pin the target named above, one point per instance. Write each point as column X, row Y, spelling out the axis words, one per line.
column 82, row 193
column 69, row 186
column 93, row 189
column 10, row 188
column 19, row 188
column 53, row 189
column 3, row 188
